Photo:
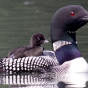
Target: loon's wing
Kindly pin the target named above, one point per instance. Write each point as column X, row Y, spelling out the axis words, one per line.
column 29, row 64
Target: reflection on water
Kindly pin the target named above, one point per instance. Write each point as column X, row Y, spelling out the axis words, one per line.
column 46, row 80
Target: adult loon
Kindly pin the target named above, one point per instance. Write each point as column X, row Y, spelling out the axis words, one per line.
column 35, row 48
column 65, row 22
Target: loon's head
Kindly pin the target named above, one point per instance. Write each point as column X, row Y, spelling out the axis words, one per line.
column 38, row 39
column 65, row 22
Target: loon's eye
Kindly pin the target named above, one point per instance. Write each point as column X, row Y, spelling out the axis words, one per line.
column 72, row 14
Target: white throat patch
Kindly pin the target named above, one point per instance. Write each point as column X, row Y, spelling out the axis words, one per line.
column 58, row 44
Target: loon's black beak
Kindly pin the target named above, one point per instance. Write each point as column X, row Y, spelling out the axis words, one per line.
column 85, row 18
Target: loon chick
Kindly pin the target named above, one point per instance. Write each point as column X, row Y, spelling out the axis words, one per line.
column 65, row 22
column 34, row 49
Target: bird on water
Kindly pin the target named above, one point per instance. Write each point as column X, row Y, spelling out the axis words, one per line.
column 35, row 48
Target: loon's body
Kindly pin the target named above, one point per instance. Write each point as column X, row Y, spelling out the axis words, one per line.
column 41, row 63
column 67, row 58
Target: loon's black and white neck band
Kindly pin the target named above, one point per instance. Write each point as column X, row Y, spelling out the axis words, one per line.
column 58, row 44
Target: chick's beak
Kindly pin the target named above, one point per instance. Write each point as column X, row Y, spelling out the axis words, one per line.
column 46, row 41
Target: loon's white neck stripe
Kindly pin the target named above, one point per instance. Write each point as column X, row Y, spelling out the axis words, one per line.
column 58, row 44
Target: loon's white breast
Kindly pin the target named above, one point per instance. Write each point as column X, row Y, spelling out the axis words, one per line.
column 78, row 65
column 73, row 66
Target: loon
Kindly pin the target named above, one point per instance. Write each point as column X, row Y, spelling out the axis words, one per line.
column 66, row 56
column 65, row 22
column 34, row 49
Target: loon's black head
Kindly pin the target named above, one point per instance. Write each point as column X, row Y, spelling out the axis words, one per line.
column 37, row 39
column 66, row 21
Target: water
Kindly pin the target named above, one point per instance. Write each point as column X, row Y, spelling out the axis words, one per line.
column 20, row 19
column 46, row 80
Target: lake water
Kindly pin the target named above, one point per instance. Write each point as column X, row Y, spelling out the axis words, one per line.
column 19, row 20
column 46, row 80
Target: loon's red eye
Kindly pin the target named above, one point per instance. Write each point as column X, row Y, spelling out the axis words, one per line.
column 72, row 14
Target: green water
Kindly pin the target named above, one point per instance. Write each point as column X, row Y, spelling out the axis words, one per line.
column 20, row 19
